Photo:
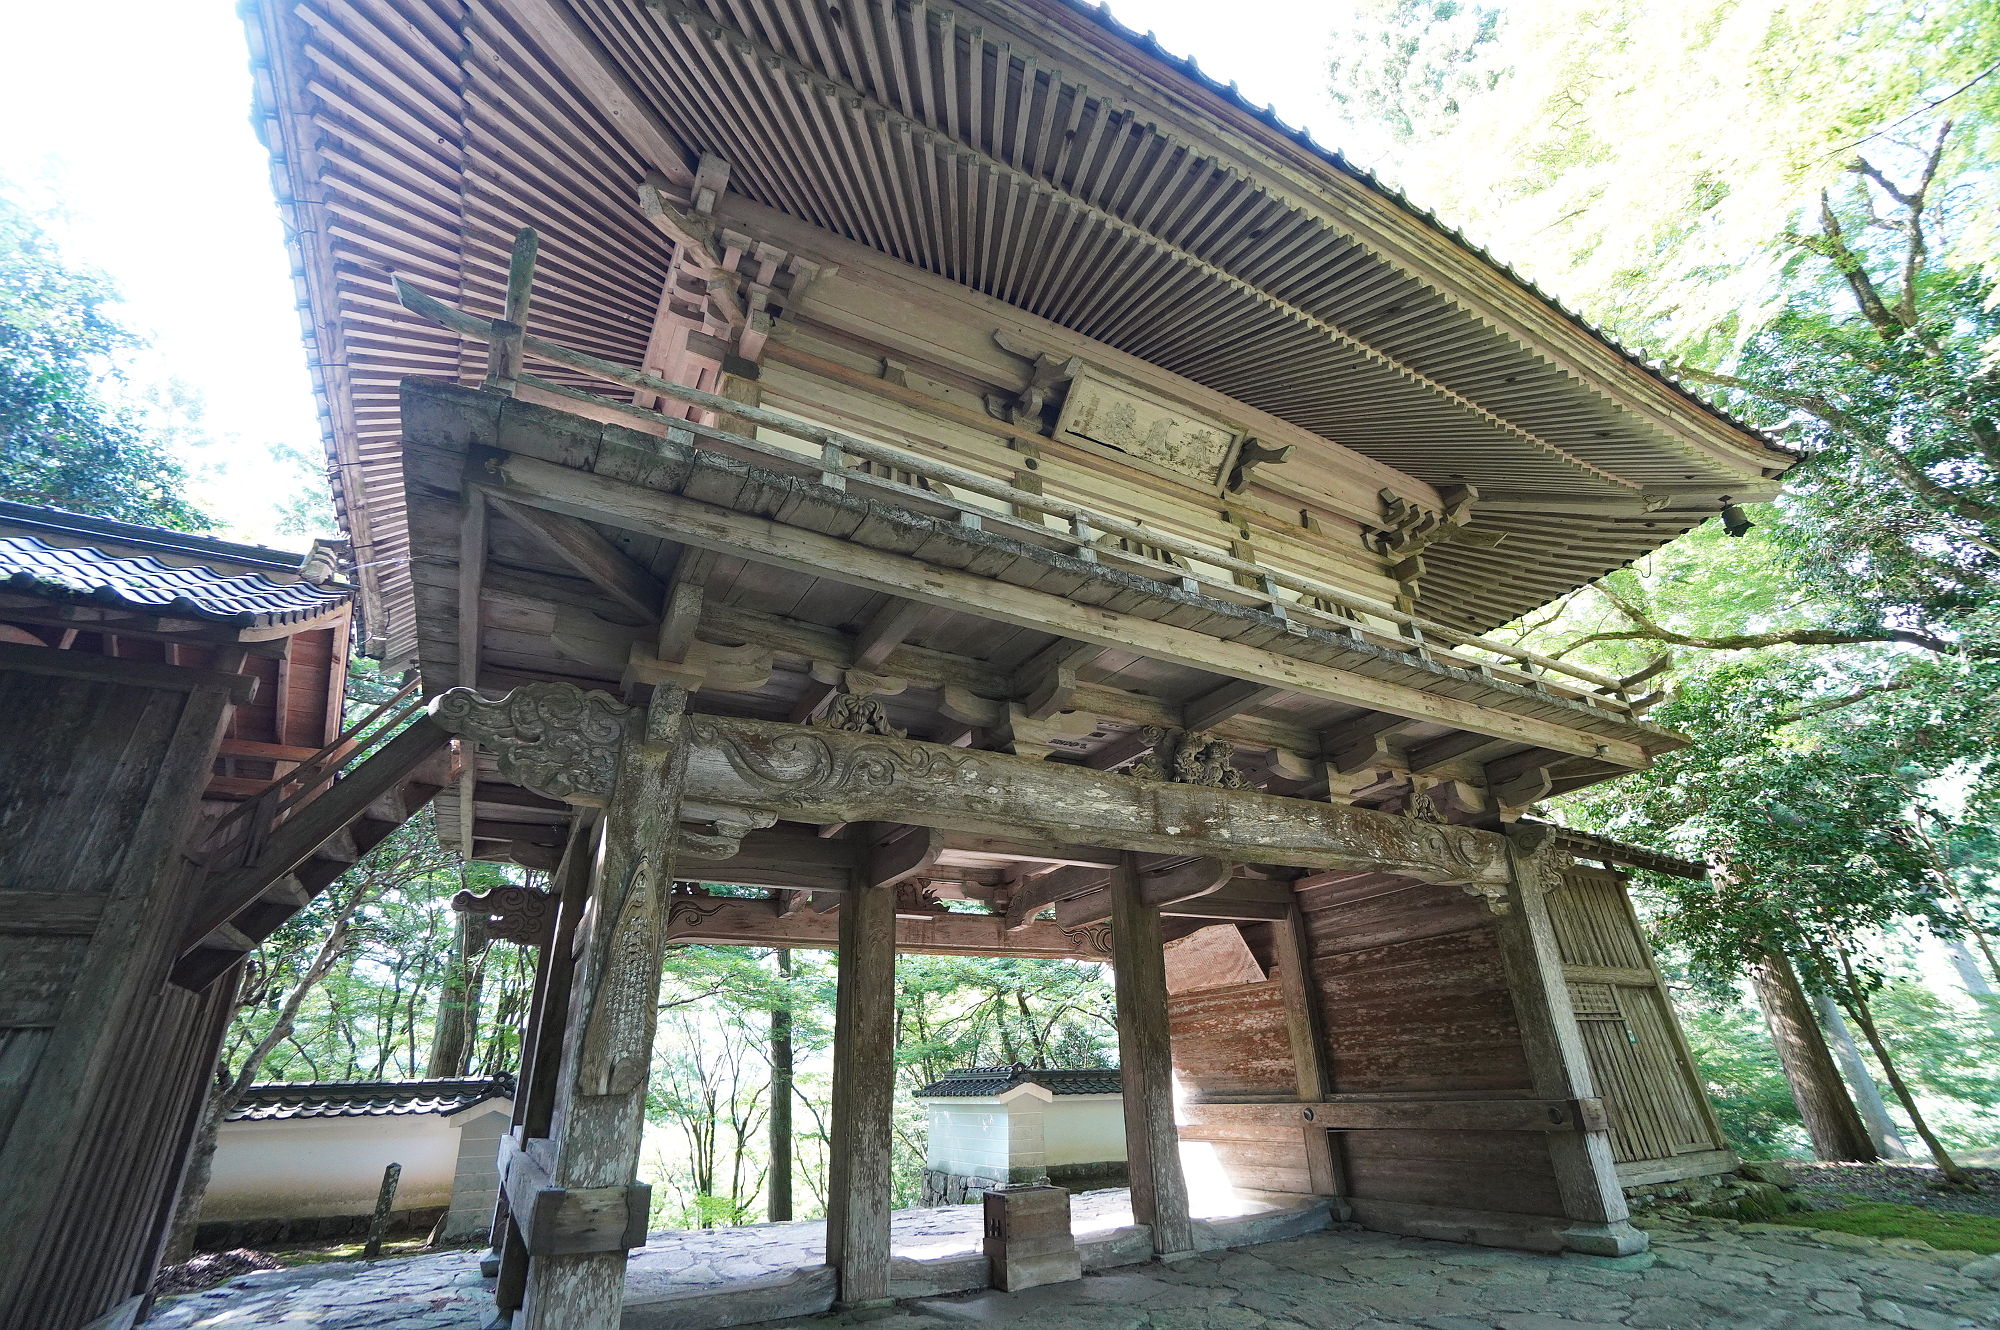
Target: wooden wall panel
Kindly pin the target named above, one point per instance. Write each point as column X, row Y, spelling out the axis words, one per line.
column 1661, row 1122
column 1476, row 1170
column 100, row 1060
column 1231, row 1041
column 1430, row 1013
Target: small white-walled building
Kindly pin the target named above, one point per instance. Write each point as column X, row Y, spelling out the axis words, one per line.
column 316, row 1151
column 994, row 1125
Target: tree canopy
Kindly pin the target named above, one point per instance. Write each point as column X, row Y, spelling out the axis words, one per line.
column 68, row 439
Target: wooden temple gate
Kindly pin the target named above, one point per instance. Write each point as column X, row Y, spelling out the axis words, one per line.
column 681, row 792
column 930, row 453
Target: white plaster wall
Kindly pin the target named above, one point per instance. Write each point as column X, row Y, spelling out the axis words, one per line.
column 968, row 1136
column 308, row 1168
column 1024, row 1130
column 1084, row 1129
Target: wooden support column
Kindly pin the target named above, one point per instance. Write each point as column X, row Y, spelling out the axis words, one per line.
column 1145, row 1058
column 1586, row 1176
column 542, row 1045
column 584, row 1209
column 864, row 1081
column 1302, row 1029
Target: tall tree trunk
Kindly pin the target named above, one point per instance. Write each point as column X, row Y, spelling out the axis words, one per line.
column 1867, row 1095
column 1974, row 980
column 455, row 1033
column 1836, row 1129
column 1857, row 1003
column 780, row 1190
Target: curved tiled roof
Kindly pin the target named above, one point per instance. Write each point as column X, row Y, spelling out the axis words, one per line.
column 981, row 1082
column 34, row 557
column 285, row 1100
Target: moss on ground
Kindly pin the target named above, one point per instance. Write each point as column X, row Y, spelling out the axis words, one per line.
column 1944, row 1229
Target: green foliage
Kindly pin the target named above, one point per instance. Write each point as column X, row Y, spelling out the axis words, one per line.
column 1407, row 65
column 1947, row 1230
column 1741, row 1074
column 373, row 1014
column 65, row 439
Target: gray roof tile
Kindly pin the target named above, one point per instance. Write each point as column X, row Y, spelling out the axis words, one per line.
column 980, row 1082
column 38, row 560
column 275, row 1101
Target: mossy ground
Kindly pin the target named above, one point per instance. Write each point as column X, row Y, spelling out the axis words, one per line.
column 1943, row 1229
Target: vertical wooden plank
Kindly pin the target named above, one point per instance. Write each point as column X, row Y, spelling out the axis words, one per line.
column 1145, row 1056
column 864, row 1070
column 1558, row 1063
column 542, row 1044
column 1303, row 1028
column 599, row 1112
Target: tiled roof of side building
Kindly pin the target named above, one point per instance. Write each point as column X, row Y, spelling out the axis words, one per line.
column 44, row 550
column 980, row 1082
column 276, row 1101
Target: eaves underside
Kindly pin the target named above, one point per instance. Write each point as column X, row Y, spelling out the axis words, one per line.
column 414, row 141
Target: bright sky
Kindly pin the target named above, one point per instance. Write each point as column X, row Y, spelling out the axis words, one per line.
column 132, row 118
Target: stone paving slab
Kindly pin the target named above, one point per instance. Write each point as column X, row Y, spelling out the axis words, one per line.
column 1705, row 1275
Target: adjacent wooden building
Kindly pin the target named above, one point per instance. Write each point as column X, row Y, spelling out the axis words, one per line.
column 170, row 737
column 960, row 470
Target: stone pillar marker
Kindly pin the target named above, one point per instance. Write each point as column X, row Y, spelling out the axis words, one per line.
column 1028, row 1238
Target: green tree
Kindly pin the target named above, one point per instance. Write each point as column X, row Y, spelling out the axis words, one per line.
column 66, row 438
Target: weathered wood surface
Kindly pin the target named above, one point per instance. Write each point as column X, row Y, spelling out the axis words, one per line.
column 1583, row 1169
column 722, row 921
column 101, row 771
column 1660, row 1116
column 864, row 1070
column 599, row 1111
column 817, row 775
column 1230, row 1041
column 1145, row 1061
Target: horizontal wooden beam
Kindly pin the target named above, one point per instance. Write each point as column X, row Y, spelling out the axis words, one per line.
column 241, row 688
column 808, row 774
column 654, row 509
column 1269, row 1121
column 566, row 1221
column 725, row 921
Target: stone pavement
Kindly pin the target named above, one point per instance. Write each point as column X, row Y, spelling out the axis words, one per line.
column 1704, row 1275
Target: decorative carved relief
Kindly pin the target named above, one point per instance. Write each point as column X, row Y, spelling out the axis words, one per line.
column 1188, row 759
column 1538, row 862
column 522, row 915
column 552, row 738
column 1160, row 435
column 801, row 767
column 1422, row 807
column 1091, row 939
column 856, row 713
column 724, row 839
column 916, row 899
column 617, row 1040
column 688, row 905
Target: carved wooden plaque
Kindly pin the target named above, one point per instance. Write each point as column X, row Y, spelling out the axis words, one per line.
column 1152, row 432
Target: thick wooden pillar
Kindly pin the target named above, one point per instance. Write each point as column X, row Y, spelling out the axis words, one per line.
column 542, row 1044
column 1146, row 1065
column 864, row 1082
column 1585, row 1174
column 575, row 1195
column 1303, row 1032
